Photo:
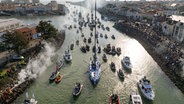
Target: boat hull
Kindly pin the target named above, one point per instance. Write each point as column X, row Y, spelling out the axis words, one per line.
column 77, row 94
column 114, row 102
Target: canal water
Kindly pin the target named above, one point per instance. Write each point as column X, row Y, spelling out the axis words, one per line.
column 143, row 65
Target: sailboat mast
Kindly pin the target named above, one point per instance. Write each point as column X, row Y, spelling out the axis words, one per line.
column 95, row 31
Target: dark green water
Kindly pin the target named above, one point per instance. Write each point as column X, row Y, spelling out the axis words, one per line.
column 143, row 64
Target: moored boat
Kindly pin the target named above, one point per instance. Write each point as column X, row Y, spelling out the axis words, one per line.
column 77, row 89
column 146, row 88
column 126, row 62
column 135, row 98
column 114, row 99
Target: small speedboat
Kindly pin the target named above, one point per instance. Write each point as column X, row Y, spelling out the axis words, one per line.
column 114, row 99
column 72, row 46
column 107, row 28
column 106, row 37
column 87, row 48
column 82, row 35
column 135, row 99
column 113, row 66
column 59, row 65
column 84, row 40
column 120, row 74
column 77, row 89
column 89, row 40
column 83, row 49
column 146, row 88
column 101, row 35
column 68, row 56
column 127, row 63
column 30, row 101
column 53, row 76
column 77, row 42
column 118, row 51
column 113, row 37
column 113, row 52
column 58, row 78
column 104, row 58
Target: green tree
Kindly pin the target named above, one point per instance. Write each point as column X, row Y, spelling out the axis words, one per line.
column 46, row 29
column 17, row 40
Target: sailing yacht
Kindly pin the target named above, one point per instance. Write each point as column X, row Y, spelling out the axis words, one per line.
column 94, row 65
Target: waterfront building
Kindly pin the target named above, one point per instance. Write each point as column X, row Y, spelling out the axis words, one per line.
column 9, row 24
column 174, row 26
column 35, row 1
column 53, row 5
column 178, row 31
column 29, row 31
column 22, row 1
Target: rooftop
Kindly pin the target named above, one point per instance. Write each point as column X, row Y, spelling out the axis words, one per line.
column 7, row 22
column 177, row 18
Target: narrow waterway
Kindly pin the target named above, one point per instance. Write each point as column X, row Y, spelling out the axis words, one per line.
column 77, row 71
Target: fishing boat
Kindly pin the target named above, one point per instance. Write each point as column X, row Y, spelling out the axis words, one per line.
column 146, row 89
column 120, row 74
column 135, row 98
column 94, row 64
column 77, row 89
column 67, row 56
column 104, row 58
column 53, row 76
column 127, row 63
column 58, row 78
column 30, row 101
column 114, row 99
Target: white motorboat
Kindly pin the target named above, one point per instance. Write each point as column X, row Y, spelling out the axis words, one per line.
column 135, row 98
column 68, row 56
column 30, row 101
column 126, row 62
column 146, row 88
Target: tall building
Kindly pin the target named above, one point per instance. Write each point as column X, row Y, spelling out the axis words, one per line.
column 35, row 1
